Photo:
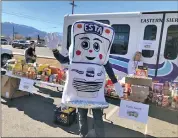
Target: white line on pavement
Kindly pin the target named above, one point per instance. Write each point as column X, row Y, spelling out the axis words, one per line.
column 146, row 129
column 112, row 112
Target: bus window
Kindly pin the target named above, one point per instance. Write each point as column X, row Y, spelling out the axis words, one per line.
column 103, row 21
column 147, row 53
column 150, row 32
column 69, row 36
column 171, row 46
column 121, row 40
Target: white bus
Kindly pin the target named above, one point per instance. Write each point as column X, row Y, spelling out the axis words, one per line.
column 132, row 31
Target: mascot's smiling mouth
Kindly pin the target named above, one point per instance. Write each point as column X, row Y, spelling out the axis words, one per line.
column 90, row 58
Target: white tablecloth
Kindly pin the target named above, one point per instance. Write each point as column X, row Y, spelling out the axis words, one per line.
column 9, row 73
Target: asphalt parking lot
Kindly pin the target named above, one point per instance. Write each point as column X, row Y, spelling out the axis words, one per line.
column 40, row 51
column 32, row 116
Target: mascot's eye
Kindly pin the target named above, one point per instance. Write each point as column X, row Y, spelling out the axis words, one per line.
column 85, row 45
column 96, row 46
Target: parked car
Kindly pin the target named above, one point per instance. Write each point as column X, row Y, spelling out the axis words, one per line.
column 27, row 42
column 15, row 42
column 40, row 44
column 4, row 41
column 32, row 41
column 6, row 54
column 20, row 43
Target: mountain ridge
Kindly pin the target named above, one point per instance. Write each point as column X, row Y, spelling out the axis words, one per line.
column 24, row 30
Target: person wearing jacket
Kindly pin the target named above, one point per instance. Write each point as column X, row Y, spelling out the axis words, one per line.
column 30, row 55
column 134, row 63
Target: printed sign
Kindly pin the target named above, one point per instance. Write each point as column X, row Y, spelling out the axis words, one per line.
column 93, row 28
column 147, row 45
column 158, row 20
column 26, row 85
column 134, row 111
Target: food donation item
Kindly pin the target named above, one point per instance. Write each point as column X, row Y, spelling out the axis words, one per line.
column 141, row 72
column 41, row 67
column 158, row 88
column 36, row 71
column 17, row 68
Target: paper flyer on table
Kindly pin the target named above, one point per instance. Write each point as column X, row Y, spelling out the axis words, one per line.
column 26, row 85
column 134, row 111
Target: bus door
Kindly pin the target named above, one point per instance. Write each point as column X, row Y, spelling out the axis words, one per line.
column 149, row 40
column 168, row 61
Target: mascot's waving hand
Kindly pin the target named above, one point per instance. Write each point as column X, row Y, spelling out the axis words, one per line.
column 88, row 60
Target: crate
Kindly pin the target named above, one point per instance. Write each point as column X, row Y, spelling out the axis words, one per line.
column 139, row 93
column 135, row 80
column 112, row 96
column 64, row 118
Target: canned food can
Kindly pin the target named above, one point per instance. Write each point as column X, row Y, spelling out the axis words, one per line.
column 38, row 77
column 46, row 78
column 54, row 80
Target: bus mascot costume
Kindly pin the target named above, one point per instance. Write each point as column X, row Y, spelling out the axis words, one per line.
column 88, row 55
column 88, row 59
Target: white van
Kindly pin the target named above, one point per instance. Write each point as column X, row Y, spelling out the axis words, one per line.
column 154, row 33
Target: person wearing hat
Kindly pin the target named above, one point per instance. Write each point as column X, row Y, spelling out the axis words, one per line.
column 30, row 56
column 88, row 60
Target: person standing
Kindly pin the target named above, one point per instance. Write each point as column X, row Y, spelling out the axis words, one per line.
column 134, row 63
column 90, row 59
column 30, row 55
column 131, row 70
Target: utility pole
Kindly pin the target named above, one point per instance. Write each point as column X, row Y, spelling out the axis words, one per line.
column 13, row 32
column 73, row 5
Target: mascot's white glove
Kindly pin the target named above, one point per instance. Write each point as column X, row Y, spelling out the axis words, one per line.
column 119, row 89
column 63, row 107
column 52, row 40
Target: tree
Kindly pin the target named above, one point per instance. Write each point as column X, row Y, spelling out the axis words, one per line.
column 28, row 38
column 18, row 36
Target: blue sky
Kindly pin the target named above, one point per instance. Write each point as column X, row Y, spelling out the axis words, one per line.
column 48, row 15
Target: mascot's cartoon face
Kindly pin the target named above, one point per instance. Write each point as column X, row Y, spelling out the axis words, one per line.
column 92, row 42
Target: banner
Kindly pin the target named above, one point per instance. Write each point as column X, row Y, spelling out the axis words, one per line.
column 134, row 111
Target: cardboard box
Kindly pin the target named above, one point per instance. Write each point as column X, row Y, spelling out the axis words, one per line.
column 140, row 89
column 135, row 80
column 139, row 93
column 9, row 87
column 136, row 98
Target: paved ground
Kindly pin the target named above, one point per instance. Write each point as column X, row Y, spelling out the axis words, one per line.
column 40, row 51
column 32, row 116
